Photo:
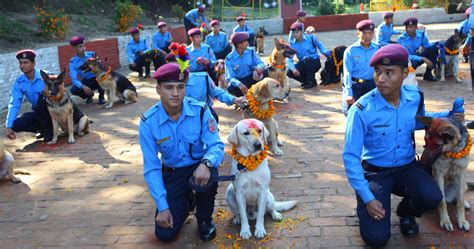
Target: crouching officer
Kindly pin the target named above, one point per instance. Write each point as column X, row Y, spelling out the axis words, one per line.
column 136, row 49
column 217, row 40
column 185, row 133
column 84, row 87
column 379, row 153
column 29, row 85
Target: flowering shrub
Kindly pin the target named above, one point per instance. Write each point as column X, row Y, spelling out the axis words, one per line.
column 52, row 23
column 125, row 14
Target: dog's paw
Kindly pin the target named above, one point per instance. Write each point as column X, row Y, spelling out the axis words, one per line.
column 442, row 79
column 80, row 134
column 276, row 216
column 279, row 143
column 52, row 141
column 71, row 140
column 260, row 231
column 467, row 205
column 245, row 232
column 446, row 224
column 277, row 152
column 108, row 106
column 459, row 80
column 464, row 225
column 16, row 179
column 127, row 102
column 236, row 220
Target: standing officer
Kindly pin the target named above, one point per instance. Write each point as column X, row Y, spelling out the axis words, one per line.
column 464, row 28
column 29, row 85
column 136, row 49
column 218, row 42
column 242, row 27
column 358, row 76
column 162, row 39
column 241, row 64
column 420, row 49
column 379, row 153
column 300, row 17
column 306, row 47
column 185, row 133
column 385, row 30
column 192, row 18
column 84, row 87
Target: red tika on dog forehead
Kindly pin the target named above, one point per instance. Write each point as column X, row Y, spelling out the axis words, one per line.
column 433, row 134
column 251, row 123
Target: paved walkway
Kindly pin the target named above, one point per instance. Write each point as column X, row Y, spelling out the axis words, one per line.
column 92, row 194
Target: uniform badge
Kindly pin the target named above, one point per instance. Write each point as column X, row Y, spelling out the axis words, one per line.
column 24, row 55
column 163, row 140
column 211, row 124
column 386, row 61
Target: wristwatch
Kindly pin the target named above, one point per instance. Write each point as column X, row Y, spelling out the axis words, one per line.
column 207, row 163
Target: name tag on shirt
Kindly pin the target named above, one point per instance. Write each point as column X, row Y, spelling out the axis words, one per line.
column 162, row 140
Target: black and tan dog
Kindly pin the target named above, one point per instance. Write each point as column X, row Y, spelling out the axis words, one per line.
column 446, row 156
column 277, row 68
column 113, row 83
column 333, row 66
column 64, row 112
column 449, row 58
column 260, row 40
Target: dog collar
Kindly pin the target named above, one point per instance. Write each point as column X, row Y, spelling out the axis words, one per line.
column 249, row 162
column 462, row 153
column 254, row 107
column 103, row 76
column 451, row 52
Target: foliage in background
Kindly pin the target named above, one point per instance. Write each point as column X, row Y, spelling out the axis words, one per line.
column 125, row 14
column 9, row 30
column 177, row 11
column 52, row 22
column 326, row 7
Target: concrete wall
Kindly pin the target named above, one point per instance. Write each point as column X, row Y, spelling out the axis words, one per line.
column 434, row 15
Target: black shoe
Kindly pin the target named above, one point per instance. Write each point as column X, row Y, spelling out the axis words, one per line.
column 470, row 125
column 408, row 226
column 465, row 59
column 89, row 100
column 140, row 75
column 39, row 135
column 147, row 76
column 101, row 101
column 47, row 138
column 207, row 230
column 429, row 77
column 192, row 201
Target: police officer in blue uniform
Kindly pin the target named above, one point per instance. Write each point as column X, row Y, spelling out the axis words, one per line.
column 420, row 49
column 136, row 50
column 162, row 39
column 192, row 18
column 379, row 152
column 218, row 42
column 29, row 85
column 385, row 30
column 85, row 86
column 306, row 47
column 201, row 57
column 185, row 133
column 464, row 28
column 358, row 76
column 241, row 64
column 300, row 17
column 242, row 27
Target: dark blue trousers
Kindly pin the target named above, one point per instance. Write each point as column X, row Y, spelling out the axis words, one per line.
column 92, row 84
column 177, row 195
column 307, row 68
column 247, row 81
column 38, row 120
column 420, row 192
column 431, row 53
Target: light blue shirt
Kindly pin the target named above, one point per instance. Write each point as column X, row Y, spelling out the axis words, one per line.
column 384, row 33
column 381, row 134
column 471, row 18
column 464, row 28
column 245, row 28
column 134, row 47
column 307, row 47
column 23, row 87
column 172, row 139
column 74, row 70
column 217, row 42
column 201, row 87
column 194, row 16
column 161, row 40
column 241, row 66
column 413, row 44
column 356, row 64
column 206, row 52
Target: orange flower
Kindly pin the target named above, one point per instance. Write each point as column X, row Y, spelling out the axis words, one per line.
column 250, row 162
column 463, row 152
column 254, row 107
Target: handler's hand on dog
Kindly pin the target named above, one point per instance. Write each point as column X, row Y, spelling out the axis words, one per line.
column 202, row 175
column 10, row 134
column 375, row 209
column 164, row 219
column 296, row 72
column 459, row 116
column 243, row 88
column 350, row 100
column 239, row 101
column 87, row 90
column 427, row 62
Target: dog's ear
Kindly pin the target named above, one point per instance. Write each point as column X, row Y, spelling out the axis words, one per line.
column 261, row 90
column 265, row 133
column 61, row 76
column 424, row 120
column 277, row 44
column 44, row 76
column 233, row 137
column 456, row 32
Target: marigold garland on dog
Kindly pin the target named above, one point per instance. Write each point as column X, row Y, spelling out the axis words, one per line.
column 254, row 107
column 250, row 162
column 463, row 152
column 102, row 78
column 451, row 52
column 336, row 64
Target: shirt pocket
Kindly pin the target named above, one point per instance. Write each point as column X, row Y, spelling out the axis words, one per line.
column 166, row 147
column 194, row 146
column 409, row 130
column 357, row 60
column 383, row 137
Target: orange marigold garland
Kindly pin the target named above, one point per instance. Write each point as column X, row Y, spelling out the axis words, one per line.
column 250, row 162
column 337, row 64
column 451, row 52
column 254, row 107
column 463, row 152
column 102, row 78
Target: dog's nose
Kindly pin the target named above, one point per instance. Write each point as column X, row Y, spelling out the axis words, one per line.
column 257, row 145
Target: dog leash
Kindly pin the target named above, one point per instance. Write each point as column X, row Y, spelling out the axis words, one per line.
column 215, row 178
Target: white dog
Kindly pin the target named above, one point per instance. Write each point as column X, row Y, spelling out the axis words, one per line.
column 249, row 196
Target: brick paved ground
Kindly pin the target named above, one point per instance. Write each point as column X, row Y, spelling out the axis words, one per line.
column 92, row 195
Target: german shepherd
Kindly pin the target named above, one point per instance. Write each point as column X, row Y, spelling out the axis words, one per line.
column 449, row 56
column 446, row 156
column 277, row 69
column 333, row 66
column 113, row 83
column 64, row 112
column 260, row 39
column 219, row 68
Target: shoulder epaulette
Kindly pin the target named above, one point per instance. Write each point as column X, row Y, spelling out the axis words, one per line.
column 360, row 106
column 149, row 112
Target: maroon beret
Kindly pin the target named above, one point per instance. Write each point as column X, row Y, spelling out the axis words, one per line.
column 161, row 24
column 468, row 12
column 215, row 22
column 170, row 72
column 410, row 21
column 296, row 26
column 300, row 13
column 202, row 8
column 240, row 18
column 392, row 54
column 365, row 25
column 387, row 15
column 26, row 54
column 76, row 40
column 194, row 31
column 239, row 37
column 134, row 31
column 170, row 57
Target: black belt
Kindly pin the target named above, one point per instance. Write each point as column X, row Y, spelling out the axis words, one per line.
column 372, row 168
column 167, row 169
column 359, row 80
